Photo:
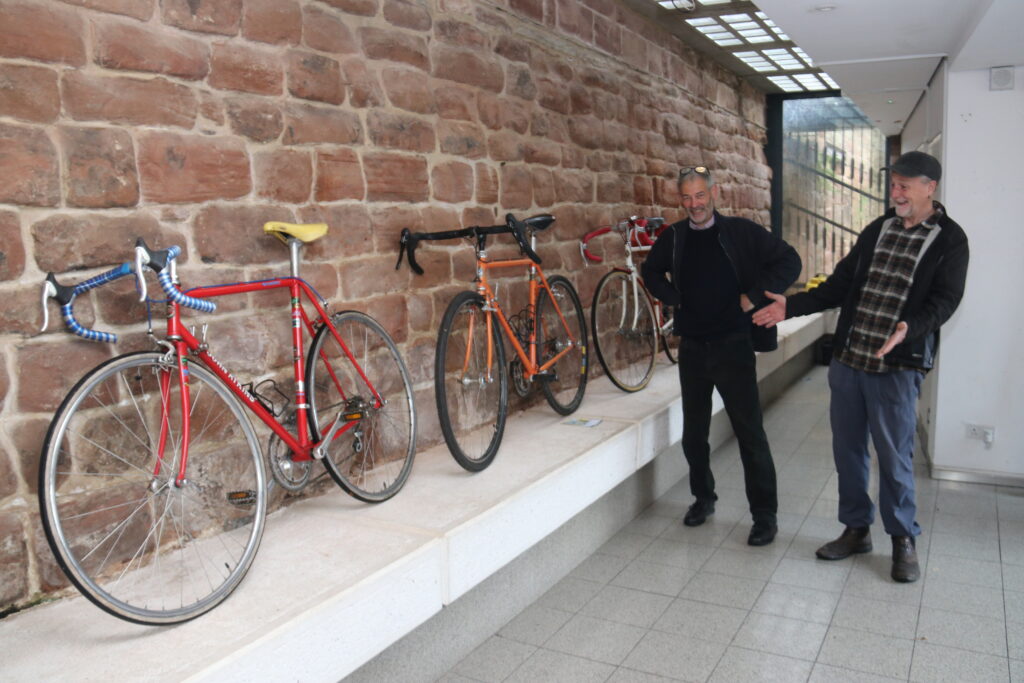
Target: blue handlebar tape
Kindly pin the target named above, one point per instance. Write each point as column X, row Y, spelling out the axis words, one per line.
column 76, row 327
column 104, row 278
column 175, row 295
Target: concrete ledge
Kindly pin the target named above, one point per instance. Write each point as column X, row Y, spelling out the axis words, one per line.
column 336, row 581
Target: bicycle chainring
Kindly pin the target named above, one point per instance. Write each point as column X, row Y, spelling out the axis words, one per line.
column 290, row 475
column 519, row 382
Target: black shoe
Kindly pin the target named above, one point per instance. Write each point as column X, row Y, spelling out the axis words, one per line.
column 905, row 568
column 699, row 512
column 762, row 533
column 853, row 540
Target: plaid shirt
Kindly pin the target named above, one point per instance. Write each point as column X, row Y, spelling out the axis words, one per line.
column 885, row 291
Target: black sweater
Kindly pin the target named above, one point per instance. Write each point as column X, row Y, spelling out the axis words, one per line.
column 760, row 260
column 935, row 292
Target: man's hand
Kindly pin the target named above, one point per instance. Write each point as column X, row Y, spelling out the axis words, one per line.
column 745, row 304
column 898, row 336
column 773, row 313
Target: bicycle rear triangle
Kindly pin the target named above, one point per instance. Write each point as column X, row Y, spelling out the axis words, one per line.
column 153, row 491
column 471, row 370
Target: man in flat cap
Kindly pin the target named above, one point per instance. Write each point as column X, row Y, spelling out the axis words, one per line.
column 901, row 281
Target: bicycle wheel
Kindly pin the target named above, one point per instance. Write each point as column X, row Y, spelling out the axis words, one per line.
column 134, row 543
column 565, row 382
column 372, row 457
column 669, row 340
column 471, row 393
column 622, row 323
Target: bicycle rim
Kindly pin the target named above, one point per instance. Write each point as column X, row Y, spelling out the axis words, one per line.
column 566, row 380
column 472, row 394
column 132, row 541
column 370, row 388
column 622, row 323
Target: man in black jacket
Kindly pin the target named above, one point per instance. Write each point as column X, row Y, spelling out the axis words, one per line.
column 901, row 281
column 720, row 267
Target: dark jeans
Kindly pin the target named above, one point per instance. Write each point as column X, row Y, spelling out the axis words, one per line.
column 728, row 365
column 883, row 405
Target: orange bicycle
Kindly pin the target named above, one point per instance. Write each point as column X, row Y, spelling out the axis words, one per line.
column 548, row 338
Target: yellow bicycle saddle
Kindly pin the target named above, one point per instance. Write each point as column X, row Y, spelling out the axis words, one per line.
column 307, row 232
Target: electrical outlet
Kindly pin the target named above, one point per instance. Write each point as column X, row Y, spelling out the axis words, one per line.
column 984, row 433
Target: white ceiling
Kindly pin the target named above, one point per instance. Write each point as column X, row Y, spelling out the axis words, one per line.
column 883, row 53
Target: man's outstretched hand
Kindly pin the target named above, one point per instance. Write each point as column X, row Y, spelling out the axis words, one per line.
column 773, row 313
column 898, row 336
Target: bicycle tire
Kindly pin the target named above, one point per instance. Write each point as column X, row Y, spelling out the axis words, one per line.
column 372, row 459
column 623, row 328
column 471, row 405
column 566, row 380
column 669, row 340
column 135, row 544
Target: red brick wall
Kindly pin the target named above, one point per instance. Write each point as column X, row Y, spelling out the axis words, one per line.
column 193, row 121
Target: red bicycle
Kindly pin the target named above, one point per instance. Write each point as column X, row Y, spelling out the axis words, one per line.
column 627, row 323
column 152, row 488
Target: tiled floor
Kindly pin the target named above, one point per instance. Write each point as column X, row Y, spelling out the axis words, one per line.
column 663, row 602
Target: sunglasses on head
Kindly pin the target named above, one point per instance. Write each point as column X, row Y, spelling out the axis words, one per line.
column 699, row 170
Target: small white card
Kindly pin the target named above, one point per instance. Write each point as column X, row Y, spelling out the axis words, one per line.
column 582, row 422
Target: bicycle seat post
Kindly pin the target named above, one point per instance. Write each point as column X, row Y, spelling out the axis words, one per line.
column 294, row 245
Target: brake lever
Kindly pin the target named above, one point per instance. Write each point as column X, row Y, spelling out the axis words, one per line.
column 48, row 290
column 141, row 259
column 401, row 246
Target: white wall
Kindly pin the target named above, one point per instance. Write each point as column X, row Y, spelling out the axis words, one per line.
column 981, row 372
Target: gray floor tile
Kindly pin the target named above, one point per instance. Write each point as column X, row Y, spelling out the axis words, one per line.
column 711, row 533
column 494, row 660
column 720, row 589
column 746, row 666
column 597, row 639
column 627, row 606
column 535, row 624
column 674, row 656
column 455, row 678
column 599, row 567
column 781, row 636
column 868, row 652
column 876, row 616
column 1013, row 577
column 649, row 524
column 676, row 554
column 1013, row 603
column 701, row 620
column 965, row 570
column 817, row 574
column 965, row 631
column 1016, row 670
column 1015, row 639
column 569, row 594
column 826, row 673
column 947, row 523
column 975, row 547
column 546, row 665
column 653, row 577
column 625, row 544
column 939, row 664
column 797, row 602
column 624, row 675
column 870, row 578
column 748, row 564
column 962, row 598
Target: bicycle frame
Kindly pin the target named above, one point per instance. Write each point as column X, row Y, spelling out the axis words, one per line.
column 492, row 306
column 185, row 344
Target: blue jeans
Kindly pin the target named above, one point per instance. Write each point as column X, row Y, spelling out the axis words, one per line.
column 883, row 405
column 730, row 366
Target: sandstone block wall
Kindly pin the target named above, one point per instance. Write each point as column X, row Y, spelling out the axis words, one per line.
column 192, row 122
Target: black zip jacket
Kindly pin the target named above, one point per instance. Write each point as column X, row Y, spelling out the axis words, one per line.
column 760, row 260
column 935, row 292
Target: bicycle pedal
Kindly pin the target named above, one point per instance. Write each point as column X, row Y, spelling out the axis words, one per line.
column 241, row 498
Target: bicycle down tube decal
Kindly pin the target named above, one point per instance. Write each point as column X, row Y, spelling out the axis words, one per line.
column 212, row 360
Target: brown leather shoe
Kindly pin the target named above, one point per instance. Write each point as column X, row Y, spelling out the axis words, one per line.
column 853, row 540
column 905, row 568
